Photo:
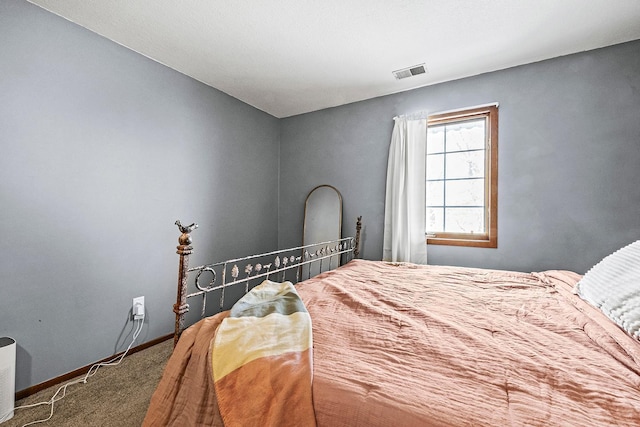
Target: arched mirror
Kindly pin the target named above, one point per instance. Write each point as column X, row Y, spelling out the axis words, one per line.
column 322, row 223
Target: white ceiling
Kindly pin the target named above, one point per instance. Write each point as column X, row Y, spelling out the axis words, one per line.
column 288, row 57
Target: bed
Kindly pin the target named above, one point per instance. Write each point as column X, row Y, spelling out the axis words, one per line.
column 400, row 344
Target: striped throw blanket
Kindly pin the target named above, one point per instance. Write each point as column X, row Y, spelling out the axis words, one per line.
column 261, row 358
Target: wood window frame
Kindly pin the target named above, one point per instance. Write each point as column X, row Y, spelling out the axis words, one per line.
column 489, row 239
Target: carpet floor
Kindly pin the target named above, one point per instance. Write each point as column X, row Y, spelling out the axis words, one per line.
column 116, row 396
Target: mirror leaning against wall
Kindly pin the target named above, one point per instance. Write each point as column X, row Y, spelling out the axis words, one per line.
column 322, row 223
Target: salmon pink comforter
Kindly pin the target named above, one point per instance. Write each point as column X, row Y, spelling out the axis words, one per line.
column 409, row 345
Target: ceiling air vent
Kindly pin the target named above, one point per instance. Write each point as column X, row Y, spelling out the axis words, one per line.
column 410, row 72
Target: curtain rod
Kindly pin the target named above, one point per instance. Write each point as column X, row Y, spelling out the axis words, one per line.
column 425, row 114
column 418, row 115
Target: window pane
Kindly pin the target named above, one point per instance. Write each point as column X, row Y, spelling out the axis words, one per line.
column 464, row 220
column 461, row 178
column 466, row 135
column 435, row 166
column 467, row 164
column 435, row 219
column 435, row 193
column 435, row 139
column 466, row 192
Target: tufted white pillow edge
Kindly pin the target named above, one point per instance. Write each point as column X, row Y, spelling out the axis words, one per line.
column 613, row 286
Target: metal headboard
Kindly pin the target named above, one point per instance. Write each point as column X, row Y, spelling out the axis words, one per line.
column 251, row 270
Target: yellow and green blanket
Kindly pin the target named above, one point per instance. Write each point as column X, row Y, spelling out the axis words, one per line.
column 261, row 358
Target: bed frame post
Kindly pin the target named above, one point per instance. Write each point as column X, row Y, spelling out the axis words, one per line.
column 356, row 250
column 184, row 250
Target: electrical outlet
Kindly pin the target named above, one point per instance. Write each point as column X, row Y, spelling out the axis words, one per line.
column 137, row 309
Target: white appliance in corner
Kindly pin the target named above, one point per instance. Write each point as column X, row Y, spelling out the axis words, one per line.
column 7, row 377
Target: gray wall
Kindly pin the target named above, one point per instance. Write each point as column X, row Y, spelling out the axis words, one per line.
column 102, row 150
column 569, row 156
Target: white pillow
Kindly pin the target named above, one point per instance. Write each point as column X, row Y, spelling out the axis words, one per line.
column 613, row 286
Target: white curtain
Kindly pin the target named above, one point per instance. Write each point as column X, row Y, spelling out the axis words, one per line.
column 404, row 214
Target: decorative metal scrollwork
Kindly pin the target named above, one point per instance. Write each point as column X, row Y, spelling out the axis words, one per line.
column 301, row 262
column 211, row 283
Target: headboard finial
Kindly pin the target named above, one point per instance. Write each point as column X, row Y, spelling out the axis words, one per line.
column 185, row 238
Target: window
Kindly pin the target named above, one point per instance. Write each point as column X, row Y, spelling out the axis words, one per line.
column 462, row 178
